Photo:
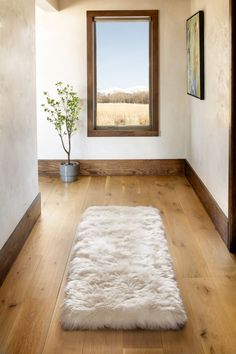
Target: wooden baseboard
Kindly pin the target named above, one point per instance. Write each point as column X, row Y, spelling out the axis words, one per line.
column 214, row 211
column 12, row 247
column 165, row 167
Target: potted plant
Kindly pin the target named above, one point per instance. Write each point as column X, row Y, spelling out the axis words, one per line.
column 63, row 113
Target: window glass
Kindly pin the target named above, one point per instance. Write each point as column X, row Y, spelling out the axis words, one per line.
column 122, row 73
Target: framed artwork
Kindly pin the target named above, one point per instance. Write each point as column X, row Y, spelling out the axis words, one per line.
column 195, row 55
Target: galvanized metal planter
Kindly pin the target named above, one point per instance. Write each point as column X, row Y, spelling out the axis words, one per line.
column 69, row 173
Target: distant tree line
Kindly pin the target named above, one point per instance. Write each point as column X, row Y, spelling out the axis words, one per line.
column 124, row 97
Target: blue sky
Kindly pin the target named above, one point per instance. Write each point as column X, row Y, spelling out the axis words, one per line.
column 122, row 54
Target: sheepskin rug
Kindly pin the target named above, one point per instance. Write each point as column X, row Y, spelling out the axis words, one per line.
column 120, row 273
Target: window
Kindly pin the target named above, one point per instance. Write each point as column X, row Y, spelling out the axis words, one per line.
column 122, row 54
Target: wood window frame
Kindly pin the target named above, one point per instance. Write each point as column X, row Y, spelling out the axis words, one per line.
column 153, row 130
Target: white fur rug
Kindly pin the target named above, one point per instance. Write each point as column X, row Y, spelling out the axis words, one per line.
column 120, row 273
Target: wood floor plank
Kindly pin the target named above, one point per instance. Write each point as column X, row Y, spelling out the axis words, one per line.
column 130, row 190
column 103, row 342
column 186, row 340
column 226, row 289
column 12, row 294
column 114, row 191
column 219, row 260
column 96, row 192
column 142, row 339
column 31, row 295
column 58, row 340
column 143, row 351
column 187, row 255
column 211, row 321
column 193, row 209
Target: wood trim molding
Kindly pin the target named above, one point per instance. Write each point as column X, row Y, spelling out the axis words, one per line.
column 12, row 247
column 93, row 130
column 165, row 167
column 217, row 216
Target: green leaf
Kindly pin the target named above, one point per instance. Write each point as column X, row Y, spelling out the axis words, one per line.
column 63, row 111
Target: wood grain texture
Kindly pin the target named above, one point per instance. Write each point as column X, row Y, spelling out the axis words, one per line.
column 153, row 130
column 165, row 167
column 32, row 292
column 143, row 351
column 232, row 135
column 214, row 211
column 119, row 132
column 12, row 247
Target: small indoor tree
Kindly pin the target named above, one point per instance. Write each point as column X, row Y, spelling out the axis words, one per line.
column 63, row 112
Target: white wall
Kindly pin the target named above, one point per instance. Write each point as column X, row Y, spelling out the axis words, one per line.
column 18, row 177
column 207, row 148
column 61, row 56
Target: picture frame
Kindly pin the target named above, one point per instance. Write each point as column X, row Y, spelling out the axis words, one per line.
column 195, row 55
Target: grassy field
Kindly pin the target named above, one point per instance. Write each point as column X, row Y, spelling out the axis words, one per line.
column 122, row 114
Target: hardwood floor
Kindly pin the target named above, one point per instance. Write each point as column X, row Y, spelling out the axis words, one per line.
column 31, row 295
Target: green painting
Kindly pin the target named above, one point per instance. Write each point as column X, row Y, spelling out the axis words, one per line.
column 195, row 55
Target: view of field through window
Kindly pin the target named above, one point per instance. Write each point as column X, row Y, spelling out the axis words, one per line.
column 122, row 68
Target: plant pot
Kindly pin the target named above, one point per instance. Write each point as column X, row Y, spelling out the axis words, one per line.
column 69, row 173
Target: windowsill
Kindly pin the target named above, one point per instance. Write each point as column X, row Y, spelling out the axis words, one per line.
column 122, row 133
